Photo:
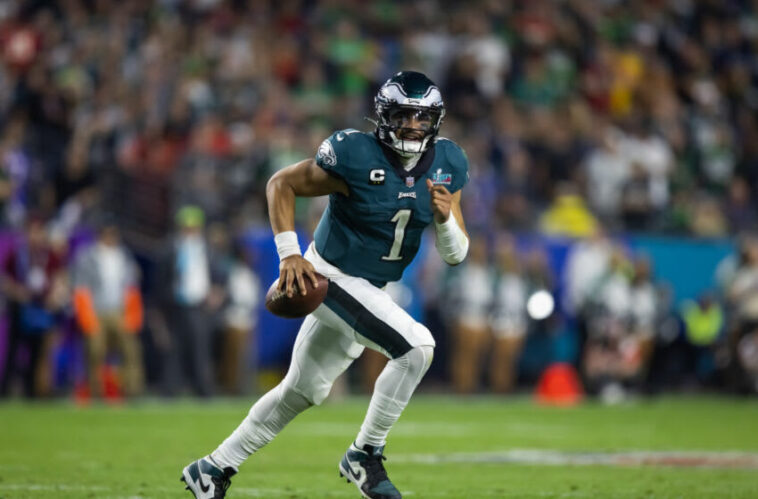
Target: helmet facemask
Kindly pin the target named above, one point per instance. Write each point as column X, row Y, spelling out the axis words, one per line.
column 408, row 129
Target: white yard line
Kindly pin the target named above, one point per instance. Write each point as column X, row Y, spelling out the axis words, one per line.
column 341, row 429
column 104, row 492
column 290, row 492
column 38, row 487
column 677, row 459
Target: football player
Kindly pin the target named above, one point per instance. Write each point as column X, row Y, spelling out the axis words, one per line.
column 384, row 188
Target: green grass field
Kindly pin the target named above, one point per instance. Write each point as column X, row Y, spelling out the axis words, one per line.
column 441, row 447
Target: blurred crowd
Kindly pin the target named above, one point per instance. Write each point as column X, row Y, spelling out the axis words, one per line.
column 510, row 317
column 638, row 114
column 579, row 117
column 90, row 302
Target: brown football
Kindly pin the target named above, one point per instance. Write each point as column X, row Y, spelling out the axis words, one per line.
column 279, row 304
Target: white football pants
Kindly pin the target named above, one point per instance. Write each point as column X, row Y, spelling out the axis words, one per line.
column 354, row 315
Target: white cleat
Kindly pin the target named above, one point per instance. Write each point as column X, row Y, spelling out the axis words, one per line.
column 364, row 468
column 206, row 480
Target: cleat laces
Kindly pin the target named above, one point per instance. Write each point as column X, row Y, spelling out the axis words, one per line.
column 222, row 483
column 375, row 472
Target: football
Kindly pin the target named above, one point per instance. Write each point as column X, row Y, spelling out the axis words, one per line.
column 279, row 304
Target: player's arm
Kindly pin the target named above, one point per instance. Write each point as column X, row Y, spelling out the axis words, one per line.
column 452, row 238
column 303, row 179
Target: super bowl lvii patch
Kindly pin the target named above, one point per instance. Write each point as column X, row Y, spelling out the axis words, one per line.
column 439, row 178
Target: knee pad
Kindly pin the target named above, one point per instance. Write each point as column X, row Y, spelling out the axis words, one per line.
column 416, row 361
column 291, row 398
column 313, row 389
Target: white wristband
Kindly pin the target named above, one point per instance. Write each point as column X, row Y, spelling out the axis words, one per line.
column 452, row 243
column 286, row 244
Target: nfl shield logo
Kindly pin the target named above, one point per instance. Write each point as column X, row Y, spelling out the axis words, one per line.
column 409, row 182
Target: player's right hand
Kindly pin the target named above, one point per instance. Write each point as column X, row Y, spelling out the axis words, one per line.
column 291, row 270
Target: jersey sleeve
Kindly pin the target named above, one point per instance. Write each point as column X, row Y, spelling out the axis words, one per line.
column 458, row 162
column 333, row 154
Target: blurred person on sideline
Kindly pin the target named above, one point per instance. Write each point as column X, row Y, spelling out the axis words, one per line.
column 239, row 320
column 108, row 308
column 191, row 295
column 612, row 359
column 474, row 287
column 508, row 319
column 742, row 294
column 587, row 261
column 703, row 321
column 34, row 284
column 644, row 310
column 540, row 289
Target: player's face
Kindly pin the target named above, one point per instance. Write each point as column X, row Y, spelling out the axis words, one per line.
column 411, row 124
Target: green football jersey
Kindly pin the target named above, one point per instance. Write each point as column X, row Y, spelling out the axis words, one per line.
column 376, row 231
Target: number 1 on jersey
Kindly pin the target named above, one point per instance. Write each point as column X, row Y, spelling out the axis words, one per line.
column 400, row 219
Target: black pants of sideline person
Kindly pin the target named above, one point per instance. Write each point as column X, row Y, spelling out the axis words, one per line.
column 190, row 357
column 34, row 343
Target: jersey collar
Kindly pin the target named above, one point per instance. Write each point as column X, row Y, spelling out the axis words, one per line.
column 423, row 165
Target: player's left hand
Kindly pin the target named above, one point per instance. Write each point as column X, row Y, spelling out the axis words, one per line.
column 441, row 200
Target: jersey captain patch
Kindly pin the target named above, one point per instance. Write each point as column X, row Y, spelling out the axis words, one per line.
column 376, row 176
column 326, row 153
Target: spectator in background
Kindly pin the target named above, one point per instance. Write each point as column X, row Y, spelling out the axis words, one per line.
column 471, row 335
column 488, row 51
column 508, row 320
column 606, row 172
column 111, row 83
column 654, row 157
column 34, row 283
column 6, row 189
column 15, row 168
column 742, row 291
column 108, row 310
column 191, row 295
column 644, row 308
column 198, row 177
column 586, row 263
column 742, row 294
column 568, row 214
column 740, row 210
column 243, row 291
column 637, row 209
column 614, row 356
column 703, row 321
column 708, row 218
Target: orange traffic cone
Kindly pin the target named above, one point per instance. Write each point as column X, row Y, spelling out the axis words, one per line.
column 559, row 385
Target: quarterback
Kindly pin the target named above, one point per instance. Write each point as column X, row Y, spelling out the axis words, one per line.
column 384, row 188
